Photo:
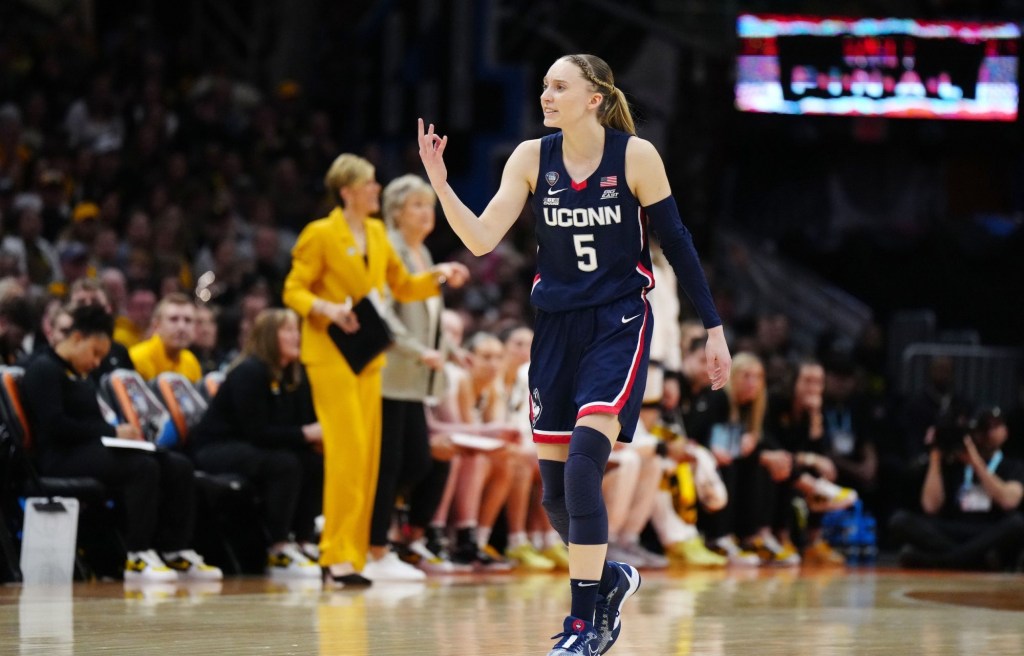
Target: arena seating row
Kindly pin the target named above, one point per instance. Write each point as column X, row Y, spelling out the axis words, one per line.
column 228, row 532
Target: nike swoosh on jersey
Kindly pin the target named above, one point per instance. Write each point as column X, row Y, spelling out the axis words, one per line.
column 552, row 192
column 625, row 320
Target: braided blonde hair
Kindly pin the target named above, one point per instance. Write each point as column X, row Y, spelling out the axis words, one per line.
column 614, row 110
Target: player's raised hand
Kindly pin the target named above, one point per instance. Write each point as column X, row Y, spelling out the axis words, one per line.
column 432, row 155
column 719, row 360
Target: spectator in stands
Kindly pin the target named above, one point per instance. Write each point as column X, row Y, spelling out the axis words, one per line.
column 337, row 261
column 115, row 286
column 95, row 117
column 133, row 326
column 14, row 152
column 74, row 263
column 414, row 371
column 167, row 350
column 36, row 256
column 261, row 425
column 204, row 342
column 971, row 499
column 158, row 488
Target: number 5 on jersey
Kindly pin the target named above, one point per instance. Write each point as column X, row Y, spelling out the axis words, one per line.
column 586, row 255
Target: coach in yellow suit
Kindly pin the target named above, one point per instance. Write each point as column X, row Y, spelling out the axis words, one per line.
column 335, row 263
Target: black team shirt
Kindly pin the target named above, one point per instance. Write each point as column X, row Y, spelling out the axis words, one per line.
column 61, row 405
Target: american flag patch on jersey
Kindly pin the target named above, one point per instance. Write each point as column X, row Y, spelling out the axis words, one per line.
column 609, row 181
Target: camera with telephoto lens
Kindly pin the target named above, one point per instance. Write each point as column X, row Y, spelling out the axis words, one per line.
column 950, row 431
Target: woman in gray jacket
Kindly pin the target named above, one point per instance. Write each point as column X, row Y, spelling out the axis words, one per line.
column 414, row 372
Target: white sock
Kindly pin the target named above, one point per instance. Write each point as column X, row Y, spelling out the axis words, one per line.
column 483, row 536
column 537, row 539
column 517, row 539
column 552, row 539
column 630, row 538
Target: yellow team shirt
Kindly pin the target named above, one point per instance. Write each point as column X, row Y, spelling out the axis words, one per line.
column 127, row 333
column 150, row 359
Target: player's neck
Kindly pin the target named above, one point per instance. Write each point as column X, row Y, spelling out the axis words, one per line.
column 583, row 142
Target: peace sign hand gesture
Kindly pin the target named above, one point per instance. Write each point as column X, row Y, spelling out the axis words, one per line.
column 432, row 155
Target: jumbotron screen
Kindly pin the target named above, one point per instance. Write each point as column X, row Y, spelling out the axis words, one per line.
column 893, row 67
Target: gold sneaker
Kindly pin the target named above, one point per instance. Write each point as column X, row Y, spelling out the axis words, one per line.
column 557, row 553
column 821, row 554
column 527, row 557
column 772, row 552
column 693, row 553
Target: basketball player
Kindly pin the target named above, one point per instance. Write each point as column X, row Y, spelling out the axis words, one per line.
column 594, row 187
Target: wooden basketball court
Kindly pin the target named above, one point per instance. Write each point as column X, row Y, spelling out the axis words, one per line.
column 758, row 612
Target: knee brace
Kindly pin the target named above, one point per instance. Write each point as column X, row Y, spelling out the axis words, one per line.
column 584, row 470
column 552, row 474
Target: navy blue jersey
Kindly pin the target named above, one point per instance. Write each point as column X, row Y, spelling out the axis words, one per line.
column 591, row 234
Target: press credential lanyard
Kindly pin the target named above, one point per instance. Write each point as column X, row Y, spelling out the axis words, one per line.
column 992, row 465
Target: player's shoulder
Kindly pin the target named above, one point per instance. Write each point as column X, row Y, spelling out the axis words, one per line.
column 640, row 148
column 528, row 148
column 642, row 161
column 525, row 158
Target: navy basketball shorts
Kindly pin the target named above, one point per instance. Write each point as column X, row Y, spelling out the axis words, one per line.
column 589, row 361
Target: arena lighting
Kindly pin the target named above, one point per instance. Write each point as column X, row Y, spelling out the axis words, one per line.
column 203, row 284
column 890, row 67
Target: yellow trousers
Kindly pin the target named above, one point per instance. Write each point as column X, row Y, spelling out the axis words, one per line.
column 348, row 407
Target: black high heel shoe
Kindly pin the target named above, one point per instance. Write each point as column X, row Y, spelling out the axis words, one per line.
column 353, row 580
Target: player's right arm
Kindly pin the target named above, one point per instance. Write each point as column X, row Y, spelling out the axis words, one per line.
column 481, row 234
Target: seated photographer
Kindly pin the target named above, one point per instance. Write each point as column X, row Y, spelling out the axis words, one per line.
column 971, row 500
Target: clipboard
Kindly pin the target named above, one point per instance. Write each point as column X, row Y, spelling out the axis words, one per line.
column 373, row 337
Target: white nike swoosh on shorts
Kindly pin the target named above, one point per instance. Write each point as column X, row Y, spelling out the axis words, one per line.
column 625, row 320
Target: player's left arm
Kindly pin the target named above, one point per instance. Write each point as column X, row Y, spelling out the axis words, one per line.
column 646, row 177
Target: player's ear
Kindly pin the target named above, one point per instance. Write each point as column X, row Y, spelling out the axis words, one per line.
column 595, row 100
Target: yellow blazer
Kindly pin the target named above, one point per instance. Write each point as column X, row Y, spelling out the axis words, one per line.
column 327, row 264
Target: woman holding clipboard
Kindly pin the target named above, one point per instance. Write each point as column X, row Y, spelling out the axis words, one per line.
column 337, row 262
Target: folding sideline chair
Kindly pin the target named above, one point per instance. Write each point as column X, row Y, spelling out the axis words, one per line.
column 136, row 404
column 182, row 400
column 209, row 384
